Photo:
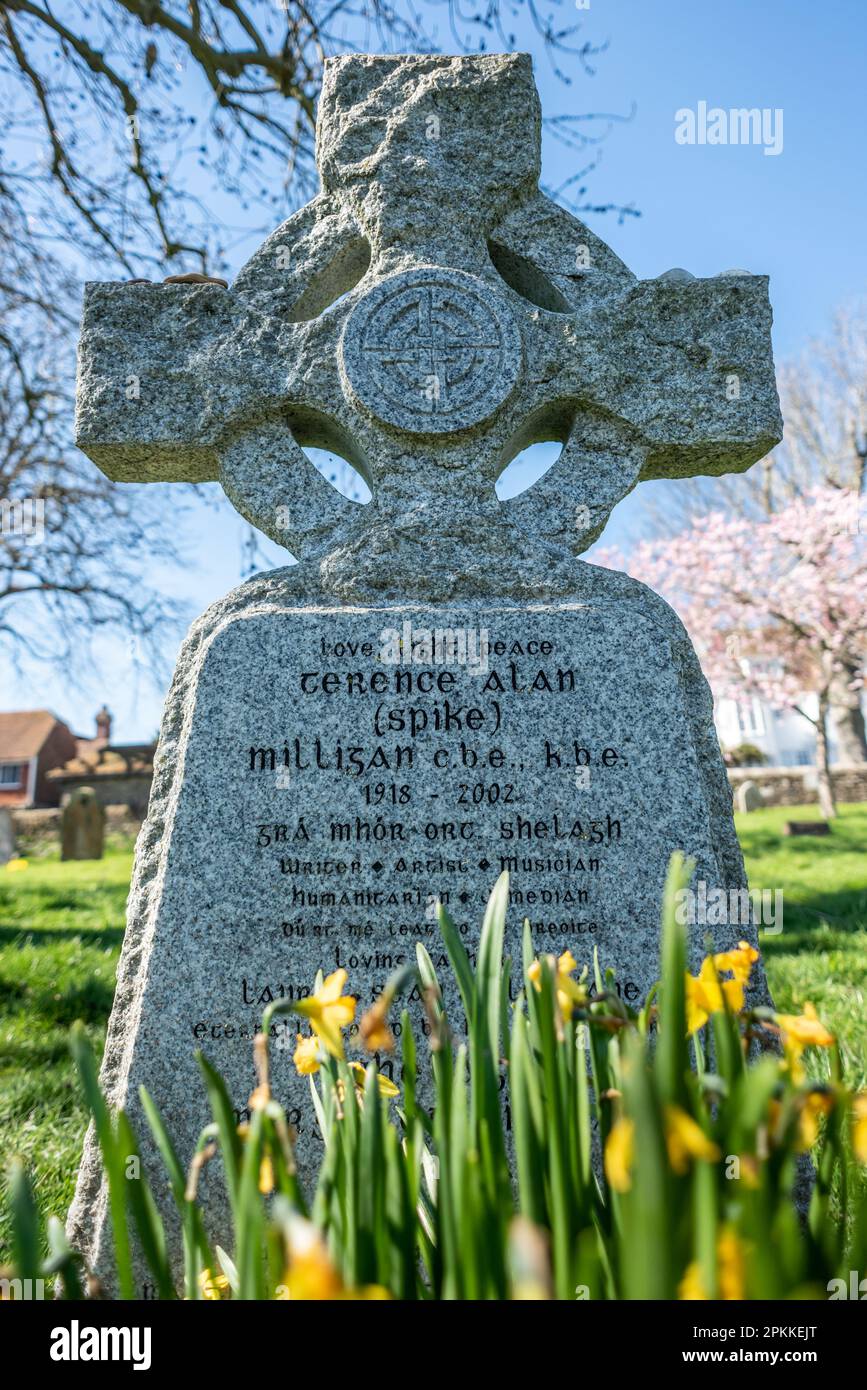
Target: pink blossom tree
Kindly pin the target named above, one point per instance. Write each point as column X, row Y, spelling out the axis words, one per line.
column 776, row 608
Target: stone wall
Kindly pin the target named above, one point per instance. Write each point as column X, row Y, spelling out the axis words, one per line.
column 130, row 792
column 37, row 830
column 796, row 786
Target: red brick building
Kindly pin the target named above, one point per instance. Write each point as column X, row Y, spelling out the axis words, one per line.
column 32, row 742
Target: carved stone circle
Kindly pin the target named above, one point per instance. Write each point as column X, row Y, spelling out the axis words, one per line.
column 430, row 351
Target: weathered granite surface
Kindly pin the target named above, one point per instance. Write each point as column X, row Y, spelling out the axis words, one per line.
column 485, row 318
column 429, row 315
column 604, row 762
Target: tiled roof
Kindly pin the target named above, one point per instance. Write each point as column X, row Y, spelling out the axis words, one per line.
column 23, row 732
column 127, row 760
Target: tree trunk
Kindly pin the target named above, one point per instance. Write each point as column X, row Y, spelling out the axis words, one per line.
column 848, row 719
column 825, row 781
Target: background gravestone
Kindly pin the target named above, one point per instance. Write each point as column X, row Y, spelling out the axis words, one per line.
column 748, row 797
column 441, row 689
column 7, row 836
column 82, row 826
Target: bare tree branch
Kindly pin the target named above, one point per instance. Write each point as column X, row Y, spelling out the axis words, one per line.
column 142, row 137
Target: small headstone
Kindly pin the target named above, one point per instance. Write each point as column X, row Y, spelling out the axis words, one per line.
column 806, row 827
column 82, row 826
column 441, row 690
column 7, row 836
column 748, row 796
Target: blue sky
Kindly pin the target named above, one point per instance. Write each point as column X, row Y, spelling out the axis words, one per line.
column 799, row 216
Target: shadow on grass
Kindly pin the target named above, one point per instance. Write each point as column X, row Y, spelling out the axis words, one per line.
column 44, row 1052
column 90, row 1001
column 815, row 923
column 755, row 842
column 33, row 936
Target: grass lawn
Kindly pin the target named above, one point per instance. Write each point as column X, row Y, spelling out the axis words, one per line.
column 61, row 927
column 821, row 953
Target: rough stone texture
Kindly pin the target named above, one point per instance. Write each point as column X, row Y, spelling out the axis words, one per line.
column 220, row 915
column 428, row 316
column 474, row 286
column 82, row 826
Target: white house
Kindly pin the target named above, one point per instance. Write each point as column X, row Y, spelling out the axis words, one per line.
column 786, row 738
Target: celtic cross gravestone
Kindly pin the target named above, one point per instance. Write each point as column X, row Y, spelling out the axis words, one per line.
column 441, row 689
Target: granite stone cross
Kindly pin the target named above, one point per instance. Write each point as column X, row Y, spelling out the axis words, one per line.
column 442, row 689
column 427, row 317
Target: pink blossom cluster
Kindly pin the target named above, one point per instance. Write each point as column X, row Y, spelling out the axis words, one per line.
column 776, row 607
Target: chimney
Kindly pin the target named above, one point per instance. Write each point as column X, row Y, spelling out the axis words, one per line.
column 103, row 728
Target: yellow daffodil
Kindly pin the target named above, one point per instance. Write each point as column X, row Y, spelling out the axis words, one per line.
column 800, row 1031
column 685, row 1140
column 307, row 1055
column 740, row 961
column 730, row 1271
column 310, row 1274
column 619, row 1154
column 213, row 1286
column 329, row 1010
column 731, row 1265
column 387, row 1088
column 266, row 1176
column 707, row 994
column 806, row 1028
column 815, row 1105
column 570, row 993
column 859, row 1126
column 306, row 1283
column 691, row 1289
column 373, row 1029
column 14, row 866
